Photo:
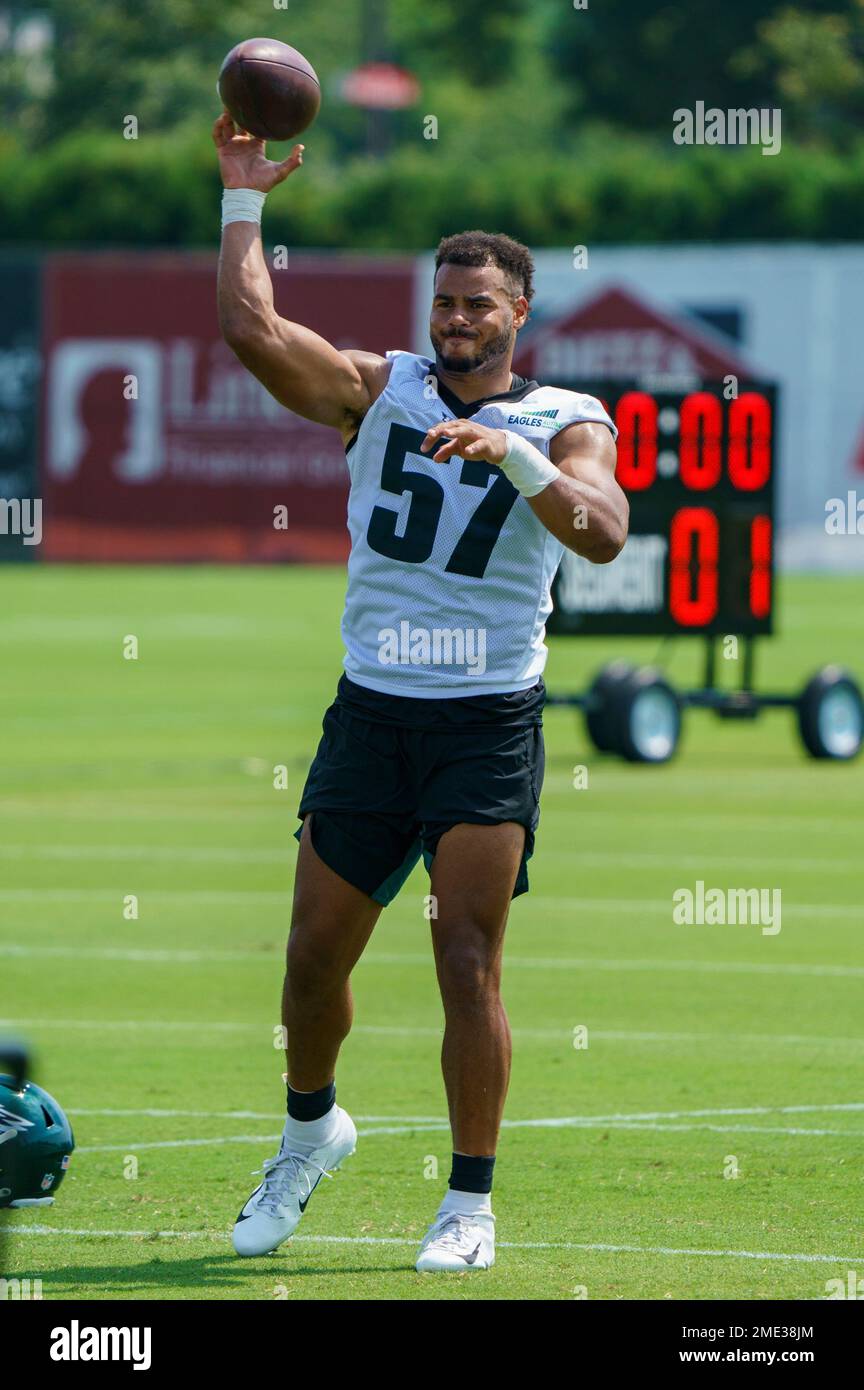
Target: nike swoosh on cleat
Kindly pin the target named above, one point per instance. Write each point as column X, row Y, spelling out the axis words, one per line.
column 244, row 1214
column 470, row 1259
column 304, row 1205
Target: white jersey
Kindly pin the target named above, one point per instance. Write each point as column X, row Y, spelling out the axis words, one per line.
column 450, row 570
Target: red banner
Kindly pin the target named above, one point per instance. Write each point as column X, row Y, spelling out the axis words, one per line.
column 159, row 445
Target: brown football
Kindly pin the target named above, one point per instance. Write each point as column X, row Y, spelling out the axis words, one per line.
column 269, row 89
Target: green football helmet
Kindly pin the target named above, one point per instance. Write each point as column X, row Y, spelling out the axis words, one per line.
column 36, row 1143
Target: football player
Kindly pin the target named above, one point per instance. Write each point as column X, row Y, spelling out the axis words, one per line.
column 466, row 485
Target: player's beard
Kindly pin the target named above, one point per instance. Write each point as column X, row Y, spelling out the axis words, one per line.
column 497, row 347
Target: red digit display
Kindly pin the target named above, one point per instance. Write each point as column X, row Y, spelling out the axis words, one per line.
column 698, row 469
column 693, row 536
column 699, row 448
column 636, row 419
column 760, row 566
column 749, row 442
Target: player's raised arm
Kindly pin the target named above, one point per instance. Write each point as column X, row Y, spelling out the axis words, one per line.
column 301, row 369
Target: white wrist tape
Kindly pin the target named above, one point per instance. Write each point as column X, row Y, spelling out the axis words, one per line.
column 528, row 470
column 242, row 205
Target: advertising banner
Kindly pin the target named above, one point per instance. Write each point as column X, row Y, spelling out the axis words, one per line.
column 160, row 445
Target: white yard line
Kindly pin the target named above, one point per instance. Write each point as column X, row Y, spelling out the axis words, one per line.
column 114, row 1025
column 657, row 1122
column 146, row 955
column 165, row 853
column 281, row 854
column 849, row 1106
column 162, row 895
column 560, row 1034
column 167, row 956
column 589, row 1246
column 738, row 863
column 634, row 907
column 78, row 808
column 270, row 1115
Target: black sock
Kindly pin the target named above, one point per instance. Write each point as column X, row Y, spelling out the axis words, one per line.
column 311, row 1105
column 472, row 1174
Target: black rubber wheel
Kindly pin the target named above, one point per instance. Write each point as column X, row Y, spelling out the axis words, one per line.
column 831, row 715
column 646, row 717
column 598, row 705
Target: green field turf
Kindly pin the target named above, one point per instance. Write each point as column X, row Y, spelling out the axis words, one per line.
column 707, row 1046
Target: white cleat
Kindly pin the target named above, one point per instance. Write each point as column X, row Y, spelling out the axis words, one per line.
column 274, row 1210
column 455, row 1242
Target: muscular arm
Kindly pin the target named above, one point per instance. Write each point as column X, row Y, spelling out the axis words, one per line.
column 585, row 508
column 302, row 370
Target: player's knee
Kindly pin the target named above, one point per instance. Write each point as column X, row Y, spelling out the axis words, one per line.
column 468, row 971
column 309, row 966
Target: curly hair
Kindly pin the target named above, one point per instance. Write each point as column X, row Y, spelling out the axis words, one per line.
column 489, row 248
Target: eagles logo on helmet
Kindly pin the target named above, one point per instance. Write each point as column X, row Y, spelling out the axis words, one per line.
column 36, row 1143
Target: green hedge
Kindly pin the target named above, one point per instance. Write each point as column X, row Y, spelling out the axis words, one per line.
column 99, row 190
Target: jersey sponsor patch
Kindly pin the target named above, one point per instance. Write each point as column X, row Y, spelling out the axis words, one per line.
column 533, row 421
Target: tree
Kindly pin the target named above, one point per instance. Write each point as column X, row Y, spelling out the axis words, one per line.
column 636, row 64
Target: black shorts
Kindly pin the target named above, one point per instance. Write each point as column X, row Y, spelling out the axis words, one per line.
column 393, row 773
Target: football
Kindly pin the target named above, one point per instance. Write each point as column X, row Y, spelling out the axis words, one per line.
column 269, row 89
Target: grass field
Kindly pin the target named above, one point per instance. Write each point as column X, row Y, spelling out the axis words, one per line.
column 708, row 1047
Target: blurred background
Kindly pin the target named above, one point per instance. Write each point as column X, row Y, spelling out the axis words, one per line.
column 546, row 120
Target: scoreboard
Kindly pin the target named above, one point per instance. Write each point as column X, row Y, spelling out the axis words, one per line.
column 698, row 470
